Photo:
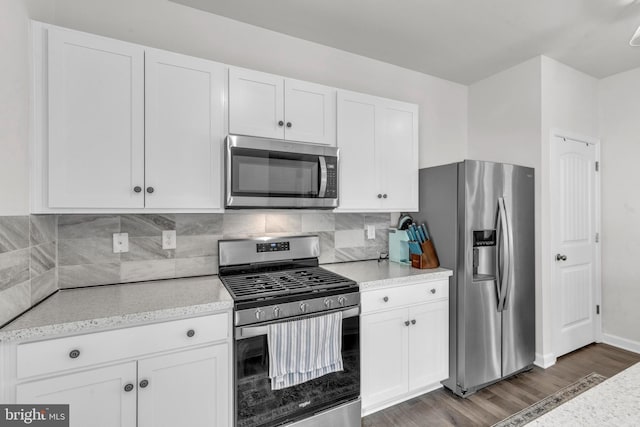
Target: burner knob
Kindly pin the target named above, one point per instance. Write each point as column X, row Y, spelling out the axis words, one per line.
column 342, row 301
column 303, row 307
column 276, row 311
column 328, row 302
column 259, row 314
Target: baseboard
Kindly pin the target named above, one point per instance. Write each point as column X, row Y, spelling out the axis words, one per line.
column 545, row 360
column 620, row 342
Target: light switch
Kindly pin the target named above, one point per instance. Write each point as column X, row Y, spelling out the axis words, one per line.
column 371, row 232
column 169, row 239
column 120, row 243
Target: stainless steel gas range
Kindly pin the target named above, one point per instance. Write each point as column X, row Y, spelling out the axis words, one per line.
column 274, row 280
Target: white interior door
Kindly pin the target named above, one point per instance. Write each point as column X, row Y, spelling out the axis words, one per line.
column 574, row 181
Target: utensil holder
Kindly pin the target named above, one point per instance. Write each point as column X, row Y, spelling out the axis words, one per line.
column 427, row 259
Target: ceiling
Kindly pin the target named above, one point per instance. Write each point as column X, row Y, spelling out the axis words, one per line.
column 459, row 40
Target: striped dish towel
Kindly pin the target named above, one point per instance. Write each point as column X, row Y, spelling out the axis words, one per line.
column 301, row 350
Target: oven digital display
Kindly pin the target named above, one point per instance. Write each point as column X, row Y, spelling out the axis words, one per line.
column 272, row 247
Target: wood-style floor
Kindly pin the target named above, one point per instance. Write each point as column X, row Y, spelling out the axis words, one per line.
column 498, row 401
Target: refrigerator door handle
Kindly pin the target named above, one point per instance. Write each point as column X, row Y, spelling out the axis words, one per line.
column 505, row 248
column 510, row 256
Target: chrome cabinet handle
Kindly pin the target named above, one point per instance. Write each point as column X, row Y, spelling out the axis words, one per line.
column 150, row 190
column 74, row 354
column 144, row 383
column 561, row 257
column 137, row 189
column 289, row 124
column 280, row 123
column 413, row 322
column 407, row 323
column 385, row 299
column 128, row 387
column 384, row 196
column 191, row 333
column 433, row 291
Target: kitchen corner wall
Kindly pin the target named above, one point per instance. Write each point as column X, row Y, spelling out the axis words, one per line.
column 86, row 258
column 27, row 262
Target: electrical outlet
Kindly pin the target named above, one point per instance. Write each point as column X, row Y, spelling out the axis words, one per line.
column 371, row 232
column 169, row 239
column 120, row 243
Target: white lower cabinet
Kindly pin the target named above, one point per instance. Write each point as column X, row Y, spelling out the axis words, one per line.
column 185, row 385
column 187, row 388
column 95, row 397
column 404, row 343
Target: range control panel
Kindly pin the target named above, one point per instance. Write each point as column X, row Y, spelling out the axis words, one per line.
column 272, row 247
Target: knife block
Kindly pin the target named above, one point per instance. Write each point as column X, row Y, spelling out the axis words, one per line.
column 427, row 259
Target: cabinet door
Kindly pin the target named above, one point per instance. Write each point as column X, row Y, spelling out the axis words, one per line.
column 96, row 398
column 428, row 344
column 397, row 151
column 358, row 129
column 96, row 121
column 256, row 103
column 384, row 366
column 184, row 131
column 310, row 112
column 189, row 388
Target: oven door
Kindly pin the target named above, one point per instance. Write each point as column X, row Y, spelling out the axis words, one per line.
column 258, row 405
column 278, row 174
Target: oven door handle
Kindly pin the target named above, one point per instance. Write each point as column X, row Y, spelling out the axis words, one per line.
column 255, row 331
column 323, row 176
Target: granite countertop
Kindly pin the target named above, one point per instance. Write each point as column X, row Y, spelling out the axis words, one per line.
column 111, row 306
column 383, row 274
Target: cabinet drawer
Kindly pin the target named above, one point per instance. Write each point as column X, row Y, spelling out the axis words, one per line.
column 55, row 355
column 403, row 295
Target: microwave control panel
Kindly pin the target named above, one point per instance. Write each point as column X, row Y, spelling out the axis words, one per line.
column 332, row 178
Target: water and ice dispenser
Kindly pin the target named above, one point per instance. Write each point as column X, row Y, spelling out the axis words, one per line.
column 484, row 255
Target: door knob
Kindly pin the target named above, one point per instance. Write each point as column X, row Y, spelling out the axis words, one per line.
column 560, row 257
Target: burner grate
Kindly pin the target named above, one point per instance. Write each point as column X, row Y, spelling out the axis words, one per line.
column 276, row 283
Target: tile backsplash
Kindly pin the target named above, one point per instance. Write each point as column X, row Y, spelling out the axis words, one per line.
column 42, row 253
column 27, row 262
column 86, row 258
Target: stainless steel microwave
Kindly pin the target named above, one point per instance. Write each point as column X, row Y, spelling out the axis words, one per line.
column 272, row 173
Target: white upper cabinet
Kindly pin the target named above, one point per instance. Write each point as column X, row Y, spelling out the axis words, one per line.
column 310, row 112
column 184, row 131
column 256, row 103
column 378, row 141
column 271, row 106
column 123, row 128
column 96, row 121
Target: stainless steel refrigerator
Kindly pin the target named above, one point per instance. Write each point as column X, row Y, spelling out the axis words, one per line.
column 481, row 219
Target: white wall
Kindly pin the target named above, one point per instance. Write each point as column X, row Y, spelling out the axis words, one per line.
column 620, row 150
column 505, row 126
column 166, row 25
column 14, row 110
column 569, row 105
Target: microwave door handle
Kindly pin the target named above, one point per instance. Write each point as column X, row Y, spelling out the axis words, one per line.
column 323, row 176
